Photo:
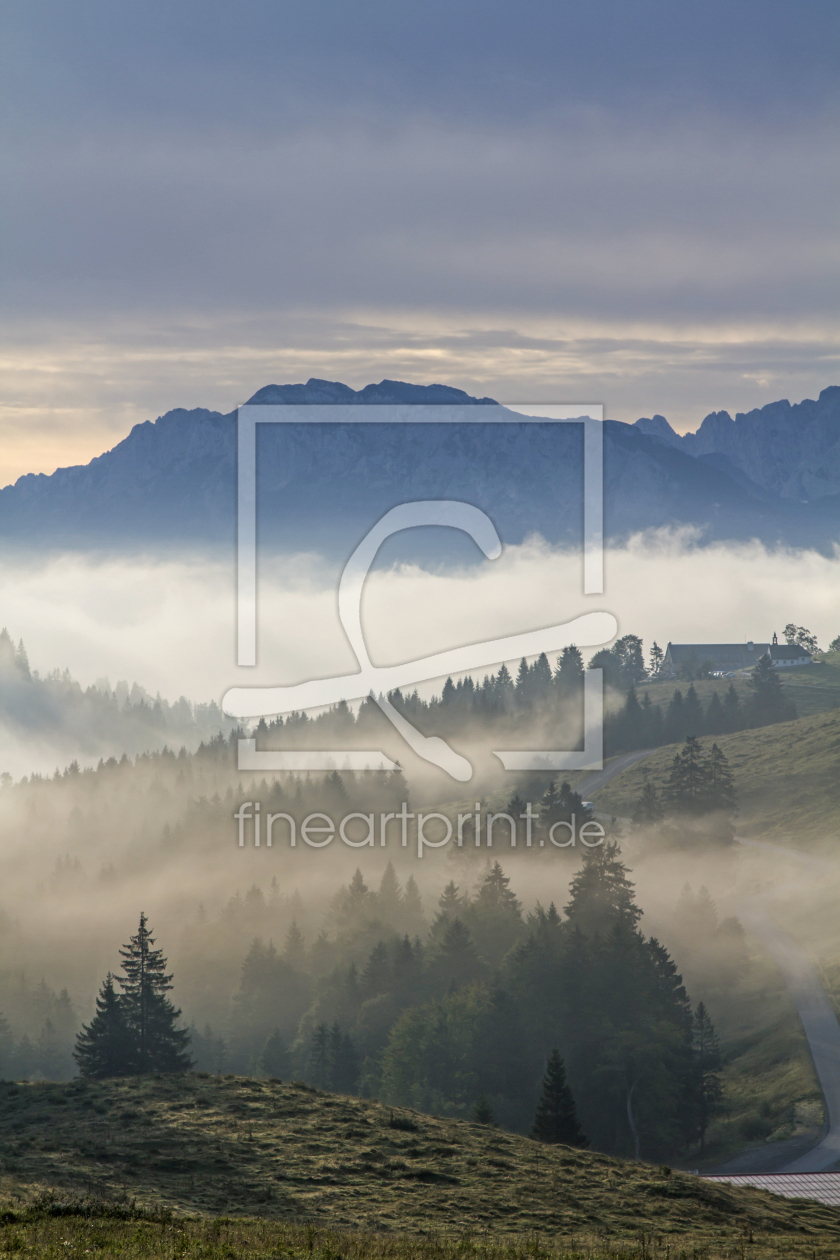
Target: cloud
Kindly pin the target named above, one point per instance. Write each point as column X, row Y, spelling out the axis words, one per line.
column 170, row 626
column 631, row 204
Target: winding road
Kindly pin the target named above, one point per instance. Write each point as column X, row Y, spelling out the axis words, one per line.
column 819, row 1022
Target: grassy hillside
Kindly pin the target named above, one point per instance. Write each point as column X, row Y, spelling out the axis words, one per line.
column 814, row 689
column 204, row 1145
column 786, row 777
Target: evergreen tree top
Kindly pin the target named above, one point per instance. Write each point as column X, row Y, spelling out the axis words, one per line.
column 601, row 894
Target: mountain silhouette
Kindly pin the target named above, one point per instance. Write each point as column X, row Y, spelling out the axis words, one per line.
column 772, row 474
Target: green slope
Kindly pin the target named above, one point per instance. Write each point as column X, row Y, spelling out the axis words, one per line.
column 208, row 1145
column 787, row 777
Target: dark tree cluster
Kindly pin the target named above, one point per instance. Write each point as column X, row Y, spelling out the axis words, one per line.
column 642, row 724
column 700, row 782
column 538, row 692
column 123, row 717
column 463, row 1018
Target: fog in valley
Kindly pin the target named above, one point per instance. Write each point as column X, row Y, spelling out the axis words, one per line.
column 118, row 797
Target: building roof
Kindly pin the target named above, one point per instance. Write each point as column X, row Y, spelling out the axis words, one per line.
column 682, row 653
column 787, row 652
column 727, row 656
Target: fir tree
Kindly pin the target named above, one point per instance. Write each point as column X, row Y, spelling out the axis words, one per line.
column 495, row 892
column 714, row 720
column 675, row 729
column 522, row 686
column 343, row 1070
column 482, row 1113
column 158, row 1046
column 318, row 1064
column 456, row 962
column 693, row 712
column 568, row 677
column 541, row 679
column 687, row 789
column 601, row 894
column 49, row 1054
column 559, row 806
column 768, row 702
column 450, row 904
column 389, row 896
column 412, row 920
column 628, row 652
column 503, row 690
column 611, row 667
column 648, row 808
column 721, row 786
column 275, row 1060
column 294, row 949
column 707, row 1062
column 376, row 977
column 656, row 658
column 105, row 1046
column 556, row 1117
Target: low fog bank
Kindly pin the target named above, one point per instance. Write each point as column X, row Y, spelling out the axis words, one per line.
column 283, row 939
column 171, row 624
column 49, row 722
column 362, row 938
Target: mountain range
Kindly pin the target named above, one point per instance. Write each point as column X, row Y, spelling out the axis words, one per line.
column 772, row 473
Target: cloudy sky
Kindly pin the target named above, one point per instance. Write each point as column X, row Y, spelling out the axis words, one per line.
column 634, row 204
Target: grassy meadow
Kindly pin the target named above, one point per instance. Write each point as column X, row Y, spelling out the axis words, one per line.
column 786, row 776
column 223, row 1167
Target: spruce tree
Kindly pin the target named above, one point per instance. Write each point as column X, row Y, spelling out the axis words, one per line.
column 628, row 652
column 343, row 1071
column 275, row 1057
column 104, row 1047
column 389, row 897
column 601, row 894
column 568, row 677
column 541, row 679
column 294, row 949
column 687, row 790
column 693, row 712
column 768, row 702
column 707, row 1062
column 648, row 808
column 319, row 1056
column 721, row 786
column 675, row 719
column 522, row 686
column 157, row 1045
column 412, row 920
column 482, row 1113
column 556, row 1117
column 714, row 721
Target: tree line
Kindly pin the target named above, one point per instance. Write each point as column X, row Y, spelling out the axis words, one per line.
column 573, row 1027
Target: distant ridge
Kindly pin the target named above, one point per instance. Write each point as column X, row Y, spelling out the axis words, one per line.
column 790, row 451
column 772, row 474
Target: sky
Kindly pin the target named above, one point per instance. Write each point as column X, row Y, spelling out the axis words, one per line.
column 543, row 202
